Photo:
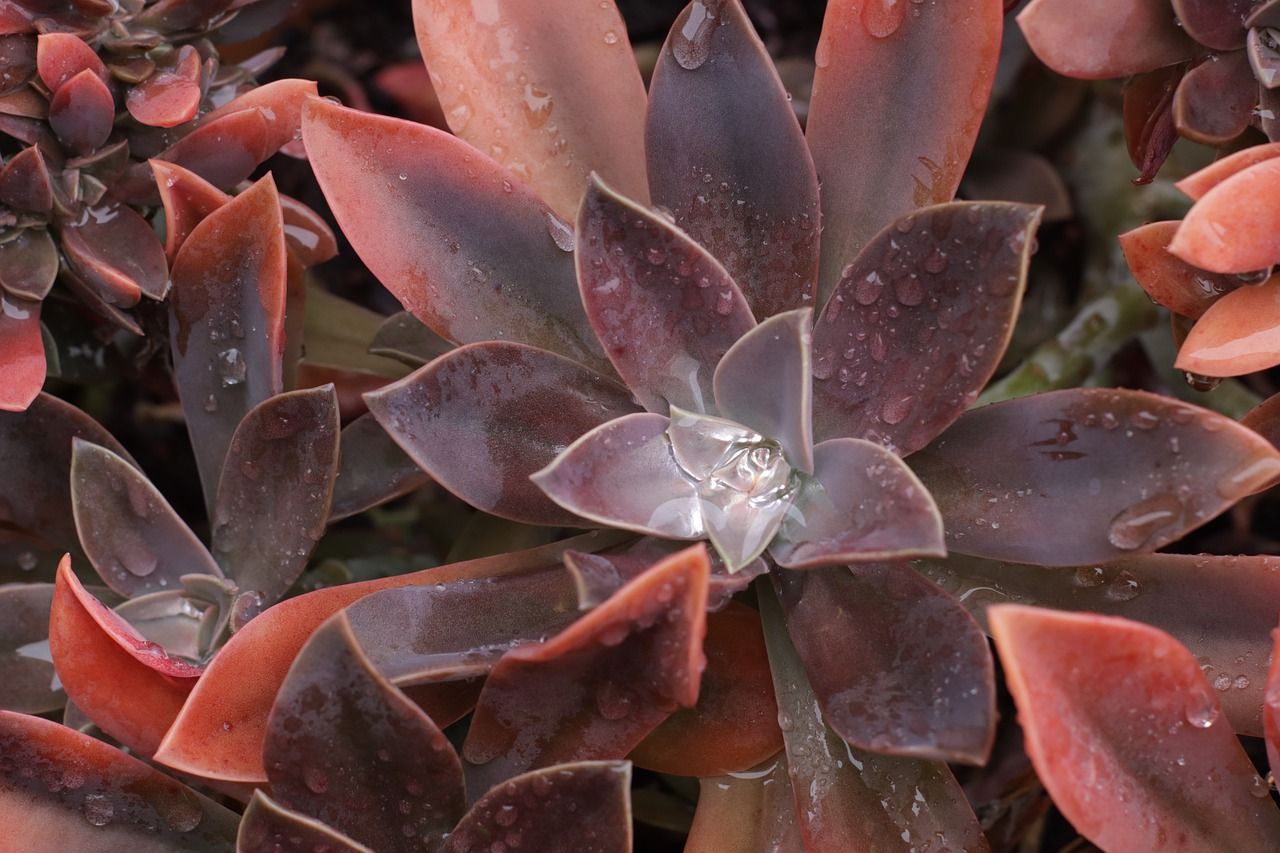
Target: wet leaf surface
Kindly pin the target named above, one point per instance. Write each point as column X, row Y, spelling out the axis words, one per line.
column 27, row 680
column 1173, row 283
column 372, row 469
column 30, row 266
column 117, row 253
column 267, row 825
column 1215, row 100
column 1200, row 182
column 187, row 199
column 1233, row 228
column 1214, row 23
column 81, row 112
column 1238, row 334
column 403, row 337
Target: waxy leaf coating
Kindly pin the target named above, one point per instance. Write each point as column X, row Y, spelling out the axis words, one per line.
column 372, row 469
column 21, row 353
column 28, row 268
column 187, row 199
column 1198, row 183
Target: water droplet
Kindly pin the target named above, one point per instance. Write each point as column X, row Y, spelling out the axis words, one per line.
column 867, row 291
column 231, row 367
column 883, row 17
column 506, row 815
column 1249, row 478
column 1259, row 787
column 610, row 37
column 1241, row 682
column 909, row 290
column 691, row 43
column 316, row 780
column 656, row 256
column 613, row 701
column 560, row 232
column 97, row 809
column 1137, row 525
column 936, row 262
column 1125, row 587
column 1089, row 576
column 27, row 561
column 211, row 404
column 1201, row 708
column 1222, row 682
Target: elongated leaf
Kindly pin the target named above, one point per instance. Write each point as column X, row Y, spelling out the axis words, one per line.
column 1238, row 334
column 220, row 731
column 372, row 469
column 727, row 157
column 876, row 161
column 1123, row 730
column 226, row 321
column 280, row 103
column 1088, row 475
column 919, row 322
column 1173, row 283
column 347, row 748
column 746, row 813
column 339, row 332
column 1095, row 40
column 897, row 664
column 62, row 790
column 267, row 825
column 482, row 418
column 498, row 264
column 1198, row 183
column 1233, row 228
column 403, row 337
column 134, row 539
column 27, row 680
column 1264, row 419
column 223, row 151
column 21, row 354
column 848, row 799
column 599, row 687
column 551, row 91
column 276, row 490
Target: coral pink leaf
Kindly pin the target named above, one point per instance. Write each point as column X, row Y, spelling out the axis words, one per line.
column 187, row 199
column 482, row 418
column 664, row 308
column 220, row 731
column 596, row 689
column 568, row 101
column 765, row 381
column 876, row 161
column 1173, row 283
column 583, row 807
column 266, row 825
column 1238, row 334
column 130, row 687
column 1098, row 39
column 22, row 358
column 1198, row 183
column 226, row 321
column 848, row 799
column 498, row 264
column 1088, row 475
column 372, row 469
column 280, row 104
column 862, row 503
column 275, row 490
column 898, row 665
column 61, row 56
column 623, row 474
column 347, row 748
column 63, row 790
column 1216, row 606
column 727, row 156
column 919, row 322
column 117, row 252
column 1218, row 24
column 1123, row 730
column 746, row 813
column 1234, row 227
column 1215, row 101
column 734, row 726
column 81, row 112
column 133, row 538
column 25, row 183
column 27, row 680
column 223, row 151
column 170, row 96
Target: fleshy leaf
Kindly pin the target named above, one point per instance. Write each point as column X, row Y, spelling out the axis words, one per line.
column 848, row 799
column 81, row 112
column 734, row 726
column 919, row 322
column 664, row 308
column 130, row 687
column 27, row 680
column 1215, row 100
column 61, row 56
column 583, row 807
column 171, row 95
column 482, row 418
column 187, row 199
column 226, row 321
column 133, row 538
column 1238, row 334
column 1198, row 183
column 346, row 747
column 550, row 90
column 765, row 381
column 861, row 504
column 1149, row 129
column 1173, row 283
column 746, row 813
column 1088, row 475
column 1123, row 730
column 25, row 183
column 1217, row 24
column 728, row 159
column 622, row 474
column 117, row 252
column 877, row 161
column 498, row 264
column 28, row 268
column 276, row 487
column 1098, row 39
column 1233, row 228
column 62, row 790
column 596, row 689
column 1264, row 419
column 403, row 337
column 22, row 359
column 267, row 825
column 372, row 469
column 223, row 152
column 897, row 664
column 1271, row 705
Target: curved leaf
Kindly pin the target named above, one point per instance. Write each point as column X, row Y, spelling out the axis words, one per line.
column 875, row 160
column 728, row 159
column 1216, row 99
column 171, row 95
column 25, row 183
column 1198, row 183
column 372, row 469
column 1233, row 228
column 1149, row 129
column 267, row 825
column 61, row 56
column 497, row 263
column 1088, row 475
column 223, row 151
column 1238, row 334
column 1264, row 419
column 117, row 252
column 1123, row 730
column 484, row 417
column 1173, row 283
column 1214, row 23
column 22, row 357
column 664, row 308
column 280, row 103
column 596, row 689
column 1271, row 706
column 81, row 112
column 28, row 268
column 549, row 90
column 1097, row 39
column 187, row 199
column 226, row 321
column 62, row 790
column 27, row 680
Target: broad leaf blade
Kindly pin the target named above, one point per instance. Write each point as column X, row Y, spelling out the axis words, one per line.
column 21, row 354
column 1233, row 228
column 1238, row 334
column 1096, row 39
column 1173, row 283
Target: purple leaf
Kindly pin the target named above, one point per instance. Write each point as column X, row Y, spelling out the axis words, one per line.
column 81, row 112
column 1215, row 101
column 1218, row 24
column 28, row 265
column 116, row 252
column 372, row 469
column 267, row 825
column 25, row 183
column 27, row 680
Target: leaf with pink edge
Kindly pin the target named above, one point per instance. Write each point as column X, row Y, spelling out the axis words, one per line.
column 1271, row 705
column 62, row 790
column 664, row 308
column 266, row 825
column 872, row 58
column 81, row 112
column 223, row 151
column 25, row 183
column 346, row 747
column 117, row 252
column 484, row 417
column 919, row 322
column 280, row 103
column 21, row 356
column 61, row 56
column 1216, row 99
column 1123, row 729
column 226, row 321
column 1233, row 228
column 728, row 159
column 1238, row 334
column 1198, row 183
column 372, row 469
column 1173, row 283
column 1098, row 39
column 568, row 102
column 187, row 199
column 596, row 689
column 498, row 264
column 746, row 813
column 1088, row 475
column 27, row 680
